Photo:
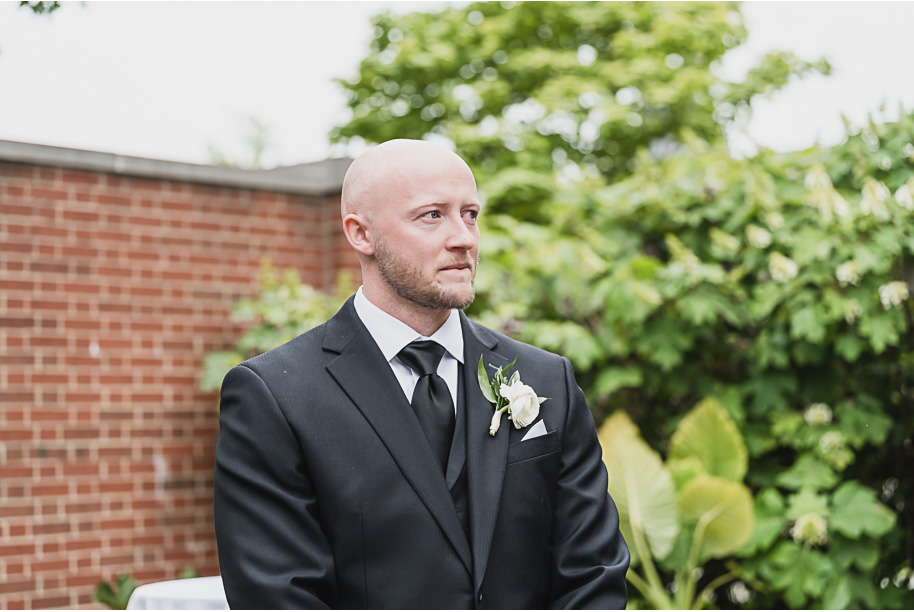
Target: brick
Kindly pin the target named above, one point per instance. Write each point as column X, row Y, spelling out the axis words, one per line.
column 83, row 544
column 58, row 601
column 80, row 215
column 17, row 586
column 17, row 321
column 7, row 471
column 73, row 176
column 16, row 285
column 49, row 305
column 68, row 251
column 56, row 565
column 40, row 266
column 15, row 433
column 8, row 210
column 49, row 489
column 16, row 247
column 49, row 194
column 114, row 199
column 50, row 378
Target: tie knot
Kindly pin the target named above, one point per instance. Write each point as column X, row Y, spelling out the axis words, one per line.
column 422, row 357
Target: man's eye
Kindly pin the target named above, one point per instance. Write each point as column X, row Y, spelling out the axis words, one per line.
column 433, row 214
column 473, row 214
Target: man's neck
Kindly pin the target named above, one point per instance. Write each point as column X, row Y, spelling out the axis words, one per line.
column 426, row 321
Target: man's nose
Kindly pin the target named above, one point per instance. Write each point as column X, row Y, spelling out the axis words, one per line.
column 462, row 236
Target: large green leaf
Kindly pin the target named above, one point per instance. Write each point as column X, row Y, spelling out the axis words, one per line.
column 856, row 511
column 807, row 472
column 641, row 487
column 709, row 435
column 725, row 509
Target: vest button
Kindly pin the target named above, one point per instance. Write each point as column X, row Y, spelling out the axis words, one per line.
column 479, row 598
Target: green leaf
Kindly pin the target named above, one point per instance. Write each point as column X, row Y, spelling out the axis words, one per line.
column 805, row 502
column 805, row 324
column 880, row 331
column 684, row 470
column 807, row 472
column 613, row 379
column 855, row 511
column 769, row 522
column 216, row 366
column 483, row 379
column 863, row 552
column 724, row 507
column 849, row 346
column 709, row 435
column 838, row 595
column 641, row 487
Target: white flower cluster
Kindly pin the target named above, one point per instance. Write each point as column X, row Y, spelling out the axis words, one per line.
column 775, row 220
column 823, row 196
column 893, row 294
column 831, row 442
column 848, row 273
column 758, row 237
column 680, row 252
column 904, row 197
column 782, row 268
column 852, row 311
column 724, row 241
column 817, row 414
column 875, row 193
column 810, row 529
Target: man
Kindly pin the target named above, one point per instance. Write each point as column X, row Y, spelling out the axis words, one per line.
column 354, row 472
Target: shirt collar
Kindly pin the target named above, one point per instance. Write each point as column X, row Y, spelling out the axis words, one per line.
column 392, row 334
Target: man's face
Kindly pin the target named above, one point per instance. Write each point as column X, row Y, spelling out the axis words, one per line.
column 426, row 237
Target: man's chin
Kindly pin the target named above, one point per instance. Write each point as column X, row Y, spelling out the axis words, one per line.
column 454, row 296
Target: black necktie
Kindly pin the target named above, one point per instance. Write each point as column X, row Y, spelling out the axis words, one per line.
column 431, row 398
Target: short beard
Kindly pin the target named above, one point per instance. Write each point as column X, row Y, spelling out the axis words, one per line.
column 406, row 281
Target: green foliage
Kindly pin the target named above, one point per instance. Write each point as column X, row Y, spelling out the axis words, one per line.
column 707, row 513
column 40, row 7
column 115, row 596
column 618, row 231
column 284, row 309
column 530, row 92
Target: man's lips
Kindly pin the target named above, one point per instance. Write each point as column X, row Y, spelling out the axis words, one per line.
column 459, row 266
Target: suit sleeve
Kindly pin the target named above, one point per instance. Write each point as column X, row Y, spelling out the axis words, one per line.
column 272, row 551
column 589, row 556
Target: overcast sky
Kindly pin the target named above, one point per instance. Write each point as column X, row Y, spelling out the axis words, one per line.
column 167, row 80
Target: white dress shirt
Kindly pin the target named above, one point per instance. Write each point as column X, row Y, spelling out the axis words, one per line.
column 392, row 334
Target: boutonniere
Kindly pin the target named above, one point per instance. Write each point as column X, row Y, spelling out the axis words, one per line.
column 509, row 395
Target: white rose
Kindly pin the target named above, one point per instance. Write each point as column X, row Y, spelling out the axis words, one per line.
column 523, row 403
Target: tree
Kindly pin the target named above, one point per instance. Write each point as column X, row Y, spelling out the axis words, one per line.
column 620, row 233
column 532, row 94
column 41, row 7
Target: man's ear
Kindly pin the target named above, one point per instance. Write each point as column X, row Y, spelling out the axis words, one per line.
column 355, row 226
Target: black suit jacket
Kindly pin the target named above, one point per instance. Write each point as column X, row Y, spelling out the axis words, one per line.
column 327, row 493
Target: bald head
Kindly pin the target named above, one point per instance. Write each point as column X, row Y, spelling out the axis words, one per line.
column 391, row 169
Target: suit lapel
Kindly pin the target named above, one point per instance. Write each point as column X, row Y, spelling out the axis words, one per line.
column 486, row 455
column 366, row 377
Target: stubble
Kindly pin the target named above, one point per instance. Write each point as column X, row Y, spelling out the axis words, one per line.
column 407, row 282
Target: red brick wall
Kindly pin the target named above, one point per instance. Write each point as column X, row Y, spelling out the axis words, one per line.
column 112, row 290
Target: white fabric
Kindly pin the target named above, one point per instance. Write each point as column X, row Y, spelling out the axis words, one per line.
column 538, row 429
column 188, row 594
column 392, row 334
